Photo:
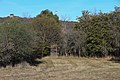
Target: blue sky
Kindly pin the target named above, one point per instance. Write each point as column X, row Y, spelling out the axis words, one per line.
column 69, row 9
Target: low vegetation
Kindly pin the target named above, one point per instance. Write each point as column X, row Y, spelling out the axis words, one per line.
column 64, row 68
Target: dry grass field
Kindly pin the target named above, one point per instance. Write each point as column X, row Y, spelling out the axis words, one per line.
column 64, row 68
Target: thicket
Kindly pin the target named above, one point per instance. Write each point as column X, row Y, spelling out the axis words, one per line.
column 94, row 35
column 103, row 33
column 25, row 39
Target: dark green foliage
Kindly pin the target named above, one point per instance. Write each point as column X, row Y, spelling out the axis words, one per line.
column 103, row 31
column 16, row 41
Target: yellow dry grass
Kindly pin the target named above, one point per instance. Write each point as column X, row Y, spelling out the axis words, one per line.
column 64, row 68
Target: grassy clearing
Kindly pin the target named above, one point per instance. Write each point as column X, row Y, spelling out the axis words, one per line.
column 64, row 68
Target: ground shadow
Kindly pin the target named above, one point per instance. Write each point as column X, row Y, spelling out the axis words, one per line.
column 115, row 60
column 34, row 62
column 14, row 63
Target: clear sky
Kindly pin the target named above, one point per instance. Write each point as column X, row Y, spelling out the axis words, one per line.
column 64, row 8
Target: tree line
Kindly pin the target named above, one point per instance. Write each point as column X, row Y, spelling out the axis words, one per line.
column 25, row 39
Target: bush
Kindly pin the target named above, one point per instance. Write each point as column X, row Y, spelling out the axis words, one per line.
column 16, row 42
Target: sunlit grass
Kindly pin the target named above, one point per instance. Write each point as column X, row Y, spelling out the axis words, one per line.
column 64, row 68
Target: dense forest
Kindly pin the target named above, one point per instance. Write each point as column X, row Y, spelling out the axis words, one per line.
column 25, row 39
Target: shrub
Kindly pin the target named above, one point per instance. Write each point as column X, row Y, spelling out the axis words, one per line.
column 16, row 42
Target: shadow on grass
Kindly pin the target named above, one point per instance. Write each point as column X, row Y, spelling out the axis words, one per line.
column 34, row 62
column 13, row 63
column 115, row 60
